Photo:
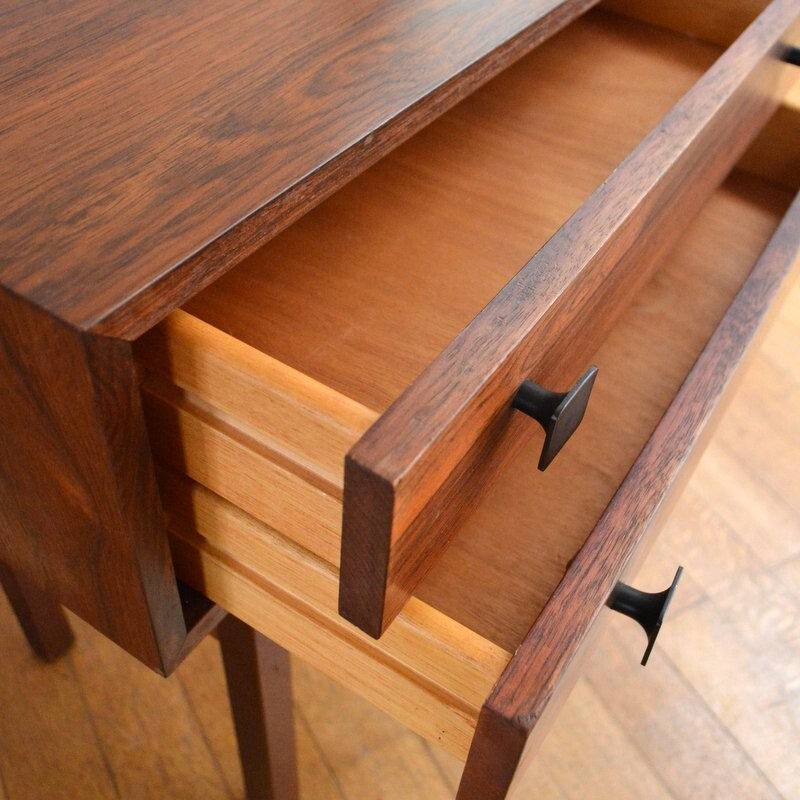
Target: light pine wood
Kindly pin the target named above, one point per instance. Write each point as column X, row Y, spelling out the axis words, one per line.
column 427, row 671
column 729, row 523
column 298, row 418
column 433, row 668
column 214, row 450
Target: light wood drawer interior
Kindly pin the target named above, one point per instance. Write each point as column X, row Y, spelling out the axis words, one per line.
column 261, row 384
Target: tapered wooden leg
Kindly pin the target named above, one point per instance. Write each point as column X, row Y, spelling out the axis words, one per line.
column 42, row 619
column 260, row 690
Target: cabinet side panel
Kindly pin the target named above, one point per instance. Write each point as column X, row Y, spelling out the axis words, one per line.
column 79, row 507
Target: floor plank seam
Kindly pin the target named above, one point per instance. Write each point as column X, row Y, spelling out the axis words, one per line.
column 201, row 728
column 302, row 719
column 426, row 745
column 633, row 742
column 73, row 671
column 744, row 752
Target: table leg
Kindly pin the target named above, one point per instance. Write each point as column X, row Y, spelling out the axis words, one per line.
column 42, row 619
column 260, row 691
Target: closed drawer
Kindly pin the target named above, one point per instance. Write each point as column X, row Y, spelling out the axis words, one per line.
column 312, row 348
column 358, row 331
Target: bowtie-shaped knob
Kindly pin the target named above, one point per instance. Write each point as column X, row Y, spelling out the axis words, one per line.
column 647, row 608
column 559, row 413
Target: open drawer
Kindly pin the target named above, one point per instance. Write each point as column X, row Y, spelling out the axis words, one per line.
column 359, row 330
column 257, row 389
column 494, row 638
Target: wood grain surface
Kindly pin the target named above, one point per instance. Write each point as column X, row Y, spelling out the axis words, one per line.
column 80, row 512
column 362, row 293
column 419, row 470
column 136, row 138
column 280, row 459
column 429, row 672
column 146, row 148
column 369, row 273
column 552, row 647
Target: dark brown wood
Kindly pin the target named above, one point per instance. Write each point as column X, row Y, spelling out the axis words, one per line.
column 42, row 619
column 509, row 721
column 160, row 145
column 79, row 506
column 260, row 689
column 422, row 467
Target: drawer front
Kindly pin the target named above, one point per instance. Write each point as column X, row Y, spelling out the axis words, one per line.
column 421, row 468
column 516, row 715
column 439, row 662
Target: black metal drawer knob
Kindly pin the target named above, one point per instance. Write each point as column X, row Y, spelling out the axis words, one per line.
column 558, row 413
column 647, row 608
